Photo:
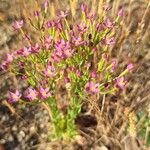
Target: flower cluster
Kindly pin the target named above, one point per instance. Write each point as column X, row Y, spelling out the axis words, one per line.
column 65, row 46
column 62, row 50
column 8, row 60
column 92, row 88
column 66, row 53
column 31, row 94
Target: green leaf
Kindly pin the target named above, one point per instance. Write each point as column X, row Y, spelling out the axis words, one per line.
column 108, row 78
column 101, row 64
column 31, row 82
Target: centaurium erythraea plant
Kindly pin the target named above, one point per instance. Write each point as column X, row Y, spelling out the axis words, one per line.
column 64, row 54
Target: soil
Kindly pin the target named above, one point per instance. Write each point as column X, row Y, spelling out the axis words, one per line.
column 26, row 128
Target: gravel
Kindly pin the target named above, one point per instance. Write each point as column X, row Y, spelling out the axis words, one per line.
column 22, row 131
column 29, row 125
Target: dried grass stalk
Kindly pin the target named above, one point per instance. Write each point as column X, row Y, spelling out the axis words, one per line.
column 52, row 10
column 73, row 6
column 100, row 8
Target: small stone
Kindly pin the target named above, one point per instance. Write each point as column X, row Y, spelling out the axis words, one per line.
column 3, row 118
column 45, row 112
column 10, row 138
column 41, row 126
column 23, row 146
column 37, row 115
column 100, row 148
column 2, row 141
column 80, row 140
column 32, row 129
column 21, row 133
column 26, row 109
column 17, row 148
column 25, row 129
column 31, row 143
column 19, row 106
column 43, row 135
column 47, row 119
column 4, row 5
column 40, row 120
column 14, row 128
column 19, row 137
column 27, row 137
column 7, row 117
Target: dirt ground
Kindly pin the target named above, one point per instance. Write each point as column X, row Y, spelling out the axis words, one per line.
column 26, row 128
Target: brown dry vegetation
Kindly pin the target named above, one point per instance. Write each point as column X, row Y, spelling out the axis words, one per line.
column 104, row 121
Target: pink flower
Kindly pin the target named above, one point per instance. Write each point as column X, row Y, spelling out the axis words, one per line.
column 24, row 77
column 21, row 64
column 82, row 28
column 4, row 66
column 88, row 65
column 31, row 94
column 105, row 56
column 46, row 4
column 18, row 24
column 84, row 7
column 35, row 49
column 90, row 16
column 79, row 73
column 93, row 74
column 108, row 23
column 78, row 41
column 50, row 71
column 110, row 41
column 48, row 42
column 36, row 13
column 55, row 58
column 72, row 33
column 14, row 97
column 92, row 88
column 107, row 7
column 58, row 56
column 114, row 64
column 9, row 58
column 67, row 80
column 44, row 93
column 50, row 24
column 99, row 27
column 63, row 14
column 72, row 69
column 130, row 67
column 63, row 50
column 24, row 51
column 61, row 44
column 68, row 53
column 94, row 49
column 44, row 82
column 120, row 82
column 59, row 25
column 59, row 53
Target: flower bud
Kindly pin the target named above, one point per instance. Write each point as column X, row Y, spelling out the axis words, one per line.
column 130, row 67
column 18, row 24
column 120, row 13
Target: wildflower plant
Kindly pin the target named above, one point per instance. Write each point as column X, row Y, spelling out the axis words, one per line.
column 75, row 55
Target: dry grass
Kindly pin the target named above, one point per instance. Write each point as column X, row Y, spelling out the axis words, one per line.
column 115, row 114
